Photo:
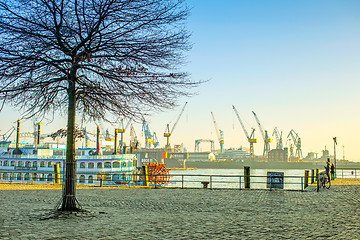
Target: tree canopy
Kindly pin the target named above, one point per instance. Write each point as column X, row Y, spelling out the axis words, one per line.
column 122, row 55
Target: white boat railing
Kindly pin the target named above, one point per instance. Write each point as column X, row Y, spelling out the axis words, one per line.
column 56, row 157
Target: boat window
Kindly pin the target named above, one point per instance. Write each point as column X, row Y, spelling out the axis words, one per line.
column 82, row 179
column 35, row 164
column 5, row 176
column 49, row 178
column 34, row 176
column 6, row 163
column 107, row 177
column 50, row 164
column 98, row 177
column 27, row 164
column 27, row 176
column 20, row 163
column 90, row 165
column 91, row 180
column 18, row 177
column 12, row 163
column 116, row 164
column 42, row 164
column 82, row 165
column 42, row 177
column 0, row 163
column 99, row 165
column 107, row 164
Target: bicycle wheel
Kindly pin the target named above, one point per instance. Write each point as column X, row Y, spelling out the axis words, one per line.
column 327, row 184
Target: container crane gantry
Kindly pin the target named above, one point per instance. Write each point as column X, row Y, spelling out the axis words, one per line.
column 168, row 133
column 251, row 139
column 265, row 137
column 219, row 133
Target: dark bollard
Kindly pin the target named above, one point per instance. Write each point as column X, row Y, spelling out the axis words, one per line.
column 205, row 184
column 306, row 182
column 312, row 176
column 247, row 176
column 317, row 174
column 145, row 176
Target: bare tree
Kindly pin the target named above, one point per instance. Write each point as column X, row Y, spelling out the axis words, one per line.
column 92, row 57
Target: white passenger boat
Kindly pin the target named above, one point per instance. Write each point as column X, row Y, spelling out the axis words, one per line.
column 37, row 165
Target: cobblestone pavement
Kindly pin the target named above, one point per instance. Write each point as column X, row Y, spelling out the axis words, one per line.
column 184, row 214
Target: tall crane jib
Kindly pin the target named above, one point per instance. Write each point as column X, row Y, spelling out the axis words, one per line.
column 265, row 137
column 168, row 132
column 251, row 139
column 219, row 133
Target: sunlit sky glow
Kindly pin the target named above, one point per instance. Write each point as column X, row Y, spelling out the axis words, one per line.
column 294, row 63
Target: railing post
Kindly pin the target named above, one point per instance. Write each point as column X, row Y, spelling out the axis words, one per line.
column 239, row 182
column 182, row 181
column 302, row 186
column 210, row 182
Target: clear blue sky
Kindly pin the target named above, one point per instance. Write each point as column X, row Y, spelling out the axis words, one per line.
column 295, row 63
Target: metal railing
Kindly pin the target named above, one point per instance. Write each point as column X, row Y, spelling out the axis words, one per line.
column 347, row 172
column 298, row 183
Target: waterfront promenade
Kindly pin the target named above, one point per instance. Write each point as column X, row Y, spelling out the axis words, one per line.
column 137, row 213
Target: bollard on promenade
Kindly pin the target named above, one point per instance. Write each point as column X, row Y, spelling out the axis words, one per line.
column 145, row 176
column 306, row 179
column 312, row 176
column 316, row 174
column 247, row 176
column 57, row 173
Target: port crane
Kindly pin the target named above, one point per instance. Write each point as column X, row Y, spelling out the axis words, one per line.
column 219, row 133
column 198, row 141
column 122, row 130
column 150, row 138
column 297, row 142
column 168, row 133
column 8, row 134
column 265, row 137
column 251, row 139
column 278, row 136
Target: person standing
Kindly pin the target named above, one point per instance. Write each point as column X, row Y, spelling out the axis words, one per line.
column 327, row 169
column 332, row 171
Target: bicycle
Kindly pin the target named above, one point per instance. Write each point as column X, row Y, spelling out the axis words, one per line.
column 323, row 181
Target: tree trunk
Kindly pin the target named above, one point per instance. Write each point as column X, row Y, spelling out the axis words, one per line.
column 69, row 202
